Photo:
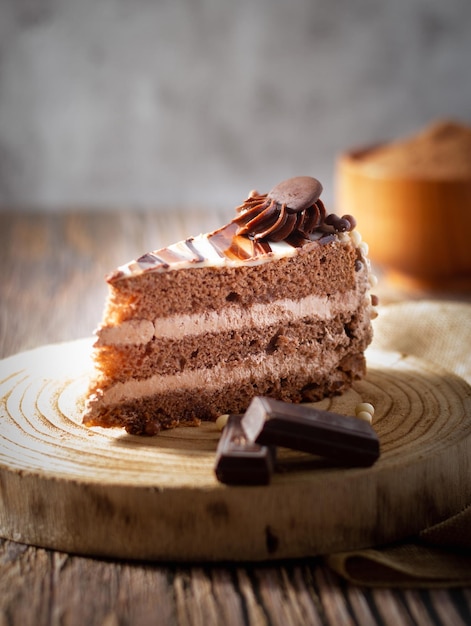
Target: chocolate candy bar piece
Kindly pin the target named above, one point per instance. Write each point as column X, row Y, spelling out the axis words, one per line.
column 240, row 461
column 345, row 440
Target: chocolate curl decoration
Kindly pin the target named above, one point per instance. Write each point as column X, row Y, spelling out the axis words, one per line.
column 291, row 207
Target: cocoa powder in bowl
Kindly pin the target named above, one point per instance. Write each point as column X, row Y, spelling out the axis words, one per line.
column 412, row 201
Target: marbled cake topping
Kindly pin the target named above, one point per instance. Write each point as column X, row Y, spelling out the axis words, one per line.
column 267, row 227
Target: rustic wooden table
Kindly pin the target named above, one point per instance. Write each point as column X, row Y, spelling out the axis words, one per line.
column 51, row 290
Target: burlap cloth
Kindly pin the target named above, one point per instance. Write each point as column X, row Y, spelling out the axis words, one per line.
column 440, row 556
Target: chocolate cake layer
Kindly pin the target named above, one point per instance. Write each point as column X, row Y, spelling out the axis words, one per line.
column 171, row 381
column 290, row 380
column 201, row 327
column 315, row 269
column 307, row 337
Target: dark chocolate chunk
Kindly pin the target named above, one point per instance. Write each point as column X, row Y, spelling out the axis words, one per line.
column 346, row 440
column 240, row 461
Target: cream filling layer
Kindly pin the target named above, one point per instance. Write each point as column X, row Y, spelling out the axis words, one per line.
column 255, row 368
column 138, row 332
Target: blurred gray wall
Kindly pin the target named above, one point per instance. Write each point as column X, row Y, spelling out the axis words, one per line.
column 190, row 103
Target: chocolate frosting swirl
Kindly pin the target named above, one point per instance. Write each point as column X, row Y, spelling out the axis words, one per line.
column 293, row 207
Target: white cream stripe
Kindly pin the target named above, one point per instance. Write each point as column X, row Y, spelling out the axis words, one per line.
column 210, row 257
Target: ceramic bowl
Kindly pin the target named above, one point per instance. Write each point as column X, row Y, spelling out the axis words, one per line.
column 418, row 229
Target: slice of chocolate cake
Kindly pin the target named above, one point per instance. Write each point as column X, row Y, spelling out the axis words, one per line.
column 275, row 303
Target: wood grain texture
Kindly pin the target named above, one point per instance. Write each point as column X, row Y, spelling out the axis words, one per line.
column 54, row 588
column 52, row 290
column 39, row 587
column 103, row 492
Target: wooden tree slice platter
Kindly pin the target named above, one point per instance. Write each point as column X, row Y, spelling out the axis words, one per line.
column 103, row 492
